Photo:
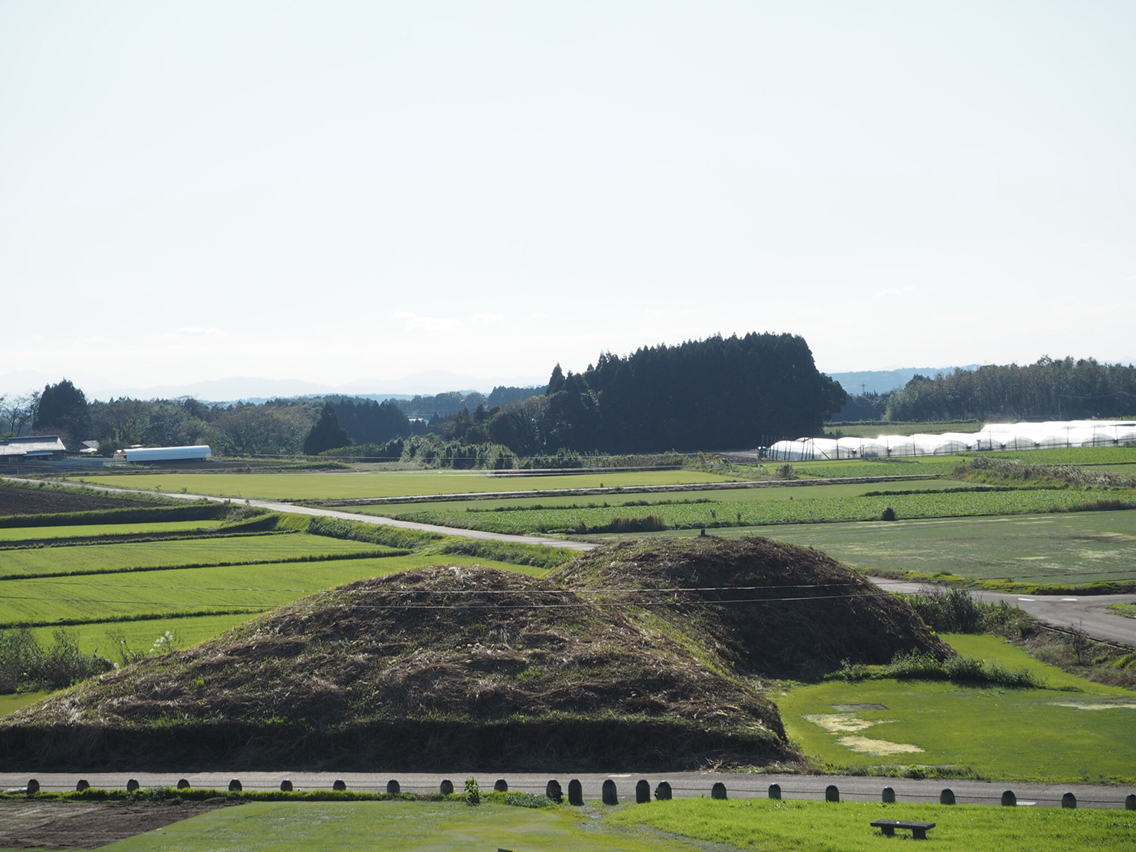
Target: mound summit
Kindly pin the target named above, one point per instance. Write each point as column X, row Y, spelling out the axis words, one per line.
column 648, row 655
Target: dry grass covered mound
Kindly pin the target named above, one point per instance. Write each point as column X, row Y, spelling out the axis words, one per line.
column 606, row 664
column 764, row 607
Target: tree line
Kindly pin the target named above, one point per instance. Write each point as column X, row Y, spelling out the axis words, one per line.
column 1049, row 389
column 718, row 393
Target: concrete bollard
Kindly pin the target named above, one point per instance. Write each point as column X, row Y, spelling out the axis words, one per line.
column 775, row 791
column 663, row 791
column 888, row 796
column 1009, row 800
column 82, row 785
column 339, row 785
column 831, row 793
column 235, row 786
column 575, row 793
column 718, row 791
column 32, row 788
column 183, row 784
column 947, row 797
column 642, row 792
column 446, row 788
column 552, row 790
column 1069, row 801
column 131, row 785
column 286, row 786
column 501, row 786
column 393, row 786
column 610, row 797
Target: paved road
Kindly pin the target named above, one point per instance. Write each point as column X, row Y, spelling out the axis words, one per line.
column 1085, row 612
column 683, row 784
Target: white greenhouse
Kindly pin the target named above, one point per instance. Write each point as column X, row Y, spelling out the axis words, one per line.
column 992, row 436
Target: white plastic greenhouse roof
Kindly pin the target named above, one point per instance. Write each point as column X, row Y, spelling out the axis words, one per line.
column 993, row 436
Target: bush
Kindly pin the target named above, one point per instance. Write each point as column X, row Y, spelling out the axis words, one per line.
column 949, row 611
column 472, row 792
column 888, row 514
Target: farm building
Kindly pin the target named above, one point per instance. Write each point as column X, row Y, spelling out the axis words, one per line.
column 32, row 447
column 199, row 452
column 992, row 436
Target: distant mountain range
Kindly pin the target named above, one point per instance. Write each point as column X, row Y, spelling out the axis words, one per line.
column 882, row 381
column 252, row 389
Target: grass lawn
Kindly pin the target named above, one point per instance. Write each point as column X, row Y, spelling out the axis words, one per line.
column 681, row 825
column 1071, row 731
column 394, row 827
column 348, row 485
column 14, row 701
column 772, row 826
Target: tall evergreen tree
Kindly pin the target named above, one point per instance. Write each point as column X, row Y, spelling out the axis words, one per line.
column 63, row 408
column 326, row 434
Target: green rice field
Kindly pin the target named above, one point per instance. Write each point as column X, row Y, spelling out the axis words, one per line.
column 1074, row 548
column 349, row 485
column 129, row 556
column 786, row 506
column 1072, row 731
column 10, row 534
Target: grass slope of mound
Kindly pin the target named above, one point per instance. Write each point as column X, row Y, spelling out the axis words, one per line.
column 604, row 664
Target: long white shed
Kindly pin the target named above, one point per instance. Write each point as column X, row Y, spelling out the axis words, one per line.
column 198, row 452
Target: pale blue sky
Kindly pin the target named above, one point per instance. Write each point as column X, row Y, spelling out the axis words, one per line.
column 340, row 191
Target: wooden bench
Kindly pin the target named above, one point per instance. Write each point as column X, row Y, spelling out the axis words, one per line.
column 918, row 829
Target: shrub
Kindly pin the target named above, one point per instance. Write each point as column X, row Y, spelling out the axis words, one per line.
column 472, row 792
column 888, row 514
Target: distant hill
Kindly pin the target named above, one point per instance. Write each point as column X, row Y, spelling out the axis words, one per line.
column 882, row 381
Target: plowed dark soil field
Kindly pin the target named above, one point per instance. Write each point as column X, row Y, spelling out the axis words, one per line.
column 38, row 501
column 88, row 825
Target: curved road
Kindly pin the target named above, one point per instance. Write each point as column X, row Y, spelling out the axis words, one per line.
column 1084, row 612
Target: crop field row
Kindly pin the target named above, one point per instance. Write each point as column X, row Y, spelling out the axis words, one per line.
column 345, row 486
column 8, row 534
column 152, row 554
column 736, row 495
column 778, row 511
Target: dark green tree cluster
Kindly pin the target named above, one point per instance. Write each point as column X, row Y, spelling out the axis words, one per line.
column 62, row 409
column 714, row 393
column 326, row 434
column 1046, row 390
column 369, row 422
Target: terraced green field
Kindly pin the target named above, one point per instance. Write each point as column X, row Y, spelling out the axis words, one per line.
column 301, row 487
column 10, row 534
column 128, row 556
column 784, row 508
